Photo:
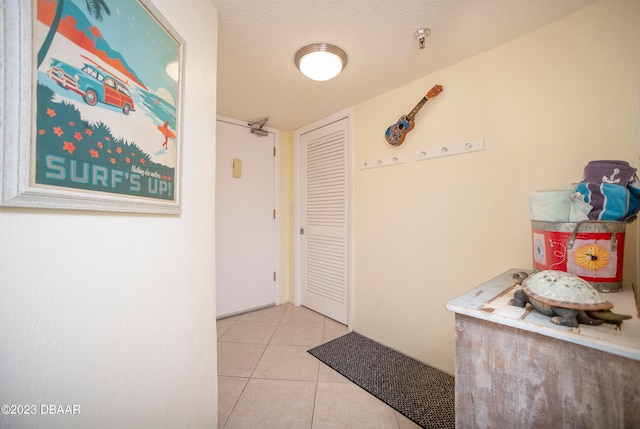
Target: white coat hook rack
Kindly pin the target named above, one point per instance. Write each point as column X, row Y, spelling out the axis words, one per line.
column 451, row 149
column 383, row 162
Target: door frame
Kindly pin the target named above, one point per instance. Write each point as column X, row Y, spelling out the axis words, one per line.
column 276, row 198
column 343, row 114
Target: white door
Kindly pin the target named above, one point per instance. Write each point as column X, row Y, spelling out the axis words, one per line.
column 324, row 220
column 245, row 224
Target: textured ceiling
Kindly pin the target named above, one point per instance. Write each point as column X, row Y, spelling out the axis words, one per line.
column 258, row 40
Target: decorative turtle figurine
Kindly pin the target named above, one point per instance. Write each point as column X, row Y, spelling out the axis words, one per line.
column 567, row 299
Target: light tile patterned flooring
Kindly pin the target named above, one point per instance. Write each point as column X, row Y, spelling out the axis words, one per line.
column 267, row 380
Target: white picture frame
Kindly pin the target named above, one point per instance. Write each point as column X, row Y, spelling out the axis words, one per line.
column 68, row 166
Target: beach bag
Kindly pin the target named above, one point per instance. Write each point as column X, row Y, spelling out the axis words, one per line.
column 590, row 249
column 612, row 188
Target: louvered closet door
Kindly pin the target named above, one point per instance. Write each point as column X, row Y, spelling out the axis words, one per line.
column 324, row 245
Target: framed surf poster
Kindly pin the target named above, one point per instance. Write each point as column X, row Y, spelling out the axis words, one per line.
column 91, row 106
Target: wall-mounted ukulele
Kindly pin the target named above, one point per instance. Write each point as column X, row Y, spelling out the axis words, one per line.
column 396, row 133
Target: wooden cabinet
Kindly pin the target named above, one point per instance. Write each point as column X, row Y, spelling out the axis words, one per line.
column 515, row 369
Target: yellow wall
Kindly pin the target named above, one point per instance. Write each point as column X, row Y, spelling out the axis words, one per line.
column 286, row 216
column 428, row 231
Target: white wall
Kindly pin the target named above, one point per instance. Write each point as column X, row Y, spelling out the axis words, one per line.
column 116, row 312
column 428, row 231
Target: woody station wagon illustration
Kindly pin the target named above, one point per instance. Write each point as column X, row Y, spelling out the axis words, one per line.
column 93, row 83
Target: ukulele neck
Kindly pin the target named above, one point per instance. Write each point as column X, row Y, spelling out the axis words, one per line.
column 417, row 108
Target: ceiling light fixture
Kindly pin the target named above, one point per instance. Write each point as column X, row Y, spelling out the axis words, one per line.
column 320, row 61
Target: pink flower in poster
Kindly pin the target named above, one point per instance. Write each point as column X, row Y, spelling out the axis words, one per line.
column 69, row 147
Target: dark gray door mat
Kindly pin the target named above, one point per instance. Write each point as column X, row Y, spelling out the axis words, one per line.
column 422, row 393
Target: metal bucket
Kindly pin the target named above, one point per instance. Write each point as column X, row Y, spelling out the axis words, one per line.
column 592, row 250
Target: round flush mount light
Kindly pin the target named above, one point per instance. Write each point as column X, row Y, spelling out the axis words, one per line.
column 320, row 61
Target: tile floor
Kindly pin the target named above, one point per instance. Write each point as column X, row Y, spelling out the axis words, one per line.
column 266, row 378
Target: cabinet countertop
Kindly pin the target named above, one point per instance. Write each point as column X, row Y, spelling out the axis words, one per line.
column 490, row 301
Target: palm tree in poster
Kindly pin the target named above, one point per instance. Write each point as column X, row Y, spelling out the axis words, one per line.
column 52, row 32
column 95, row 8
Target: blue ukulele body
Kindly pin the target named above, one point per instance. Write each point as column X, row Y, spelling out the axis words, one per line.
column 396, row 133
